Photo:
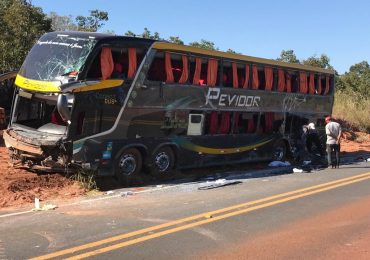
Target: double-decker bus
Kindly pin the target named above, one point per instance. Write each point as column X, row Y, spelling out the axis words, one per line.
column 117, row 104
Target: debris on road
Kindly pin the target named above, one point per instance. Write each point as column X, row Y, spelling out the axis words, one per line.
column 296, row 170
column 219, row 184
column 127, row 193
column 45, row 207
column 278, row 164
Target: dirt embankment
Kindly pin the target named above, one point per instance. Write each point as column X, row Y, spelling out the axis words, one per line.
column 19, row 187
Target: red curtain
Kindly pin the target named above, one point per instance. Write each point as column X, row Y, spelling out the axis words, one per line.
column 268, row 78
column 185, row 71
column 132, row 62
column 250, row 126
column 246, row 82
column 106, row 63
column 213, row 123
column 281, row 80
column 327, row 85
column 311, row 89
column 269, row 121
column 225, row 123
column 168, row 66
column 255, row 81
column 212, row 72
column 303, row 82
column 288, row 82
column 319, row 89
column 198, row 68
column 235, row 75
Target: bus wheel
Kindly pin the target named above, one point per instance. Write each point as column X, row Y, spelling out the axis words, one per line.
column 128, row 165
column 163, row 161
column 279, row 151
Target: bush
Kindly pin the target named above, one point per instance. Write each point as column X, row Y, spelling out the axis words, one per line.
column 353, row 108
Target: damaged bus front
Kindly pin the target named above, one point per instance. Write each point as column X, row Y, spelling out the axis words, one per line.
column 56, row 102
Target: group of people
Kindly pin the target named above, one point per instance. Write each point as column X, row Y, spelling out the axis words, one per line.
column 333, row 137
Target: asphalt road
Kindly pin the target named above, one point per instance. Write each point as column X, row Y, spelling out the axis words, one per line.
column 322, row 214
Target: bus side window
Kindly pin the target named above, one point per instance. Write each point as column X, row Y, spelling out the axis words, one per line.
column 157, row 69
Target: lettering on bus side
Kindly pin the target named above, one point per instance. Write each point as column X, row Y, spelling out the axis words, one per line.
column 231, row 100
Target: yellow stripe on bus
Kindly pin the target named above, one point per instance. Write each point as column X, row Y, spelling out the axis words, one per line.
column 37, row 85
column 109, row 83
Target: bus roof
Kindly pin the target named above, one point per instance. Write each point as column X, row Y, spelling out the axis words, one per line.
column 183, row 48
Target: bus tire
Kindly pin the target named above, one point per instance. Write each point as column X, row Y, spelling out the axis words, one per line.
column 128, row 165
column 163, row 161
column 279, row 150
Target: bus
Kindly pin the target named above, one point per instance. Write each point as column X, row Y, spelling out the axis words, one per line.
column 117, row 105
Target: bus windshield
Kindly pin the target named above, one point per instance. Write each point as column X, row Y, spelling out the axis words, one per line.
column 56, row 55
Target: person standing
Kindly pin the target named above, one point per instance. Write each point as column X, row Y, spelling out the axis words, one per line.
column 333, row 132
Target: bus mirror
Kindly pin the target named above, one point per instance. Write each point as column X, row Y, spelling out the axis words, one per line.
column 62, row 106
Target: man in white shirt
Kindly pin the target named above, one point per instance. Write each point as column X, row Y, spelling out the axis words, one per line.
column 333, row 135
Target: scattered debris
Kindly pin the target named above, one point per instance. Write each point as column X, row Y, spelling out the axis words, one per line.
column 159, row 186
column 45, row 207
column 368, row 160
column 278, row 164
column 127, row 193
column 218, row 185
column 109, row 192
column 296, row 170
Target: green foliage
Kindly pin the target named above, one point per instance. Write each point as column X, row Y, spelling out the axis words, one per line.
column 62, row 23
column 86, row 178
column 21, row 24
column 93, row 22
column 232, row 51
column 204, row 44
column 176, row 39
column 322, row 62
column 352, row 107
column 288, row 56
column 356, row 79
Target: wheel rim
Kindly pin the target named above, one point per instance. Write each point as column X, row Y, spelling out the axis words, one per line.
column 162, row 161
column 127, row 164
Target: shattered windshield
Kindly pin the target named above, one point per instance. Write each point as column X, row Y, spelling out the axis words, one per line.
column 56, row 55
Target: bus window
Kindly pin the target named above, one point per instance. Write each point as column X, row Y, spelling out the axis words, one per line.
column 157, row 69
column 198, row 71
column 94, row 112
column 115, row 63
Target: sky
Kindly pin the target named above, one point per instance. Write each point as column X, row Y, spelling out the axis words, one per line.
column 339, row 29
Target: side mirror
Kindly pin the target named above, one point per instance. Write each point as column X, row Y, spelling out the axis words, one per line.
column 62, row 106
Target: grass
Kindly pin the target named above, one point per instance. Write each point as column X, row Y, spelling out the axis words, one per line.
column 353, row 109
column 86, row 178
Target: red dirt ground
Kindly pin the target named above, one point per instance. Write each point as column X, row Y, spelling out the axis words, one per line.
column 19, row 187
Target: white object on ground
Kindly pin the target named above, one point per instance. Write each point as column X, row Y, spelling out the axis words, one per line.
column 278, row 164
column 45, row 207
column 37, row 203
column 368, row 160
column 297, row 170
column 220, row 181
column 109, row 192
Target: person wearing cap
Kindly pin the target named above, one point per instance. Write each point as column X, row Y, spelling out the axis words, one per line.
column 333, row 132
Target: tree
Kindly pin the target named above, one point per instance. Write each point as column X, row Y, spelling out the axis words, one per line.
column 176, row 39
column 288, row 56
column 21, row 24
column 204, row 44
column 356, row 79
column 62, row 23
column 322, row 62
column 93, row 22
column 232, row 51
